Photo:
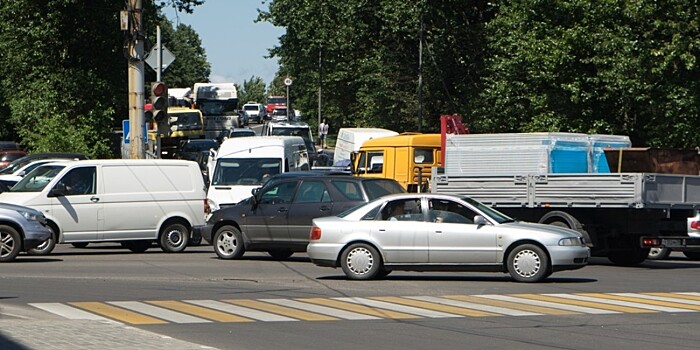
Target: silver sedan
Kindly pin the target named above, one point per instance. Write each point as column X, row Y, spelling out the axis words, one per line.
column 435, row 232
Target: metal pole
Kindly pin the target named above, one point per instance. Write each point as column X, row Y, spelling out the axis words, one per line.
column 159, row 59
column 320, row 81
column 136, row 82
column 288, row 105
column 420, row 78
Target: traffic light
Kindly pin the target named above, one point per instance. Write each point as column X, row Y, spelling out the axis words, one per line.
column 159, row 102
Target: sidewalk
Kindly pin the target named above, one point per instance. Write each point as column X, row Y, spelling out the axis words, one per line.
column 83, row 334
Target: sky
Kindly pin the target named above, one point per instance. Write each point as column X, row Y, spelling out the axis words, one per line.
column 235, row 45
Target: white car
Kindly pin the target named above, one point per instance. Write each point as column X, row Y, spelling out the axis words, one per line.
column 19, row 173
column 255, row 111
column 437, row 232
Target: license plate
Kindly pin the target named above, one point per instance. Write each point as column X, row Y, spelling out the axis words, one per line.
column 672, row 242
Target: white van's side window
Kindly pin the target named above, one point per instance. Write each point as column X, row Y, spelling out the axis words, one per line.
column 80, row 181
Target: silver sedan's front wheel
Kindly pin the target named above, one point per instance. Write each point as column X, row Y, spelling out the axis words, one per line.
column 528, row 263
column 361, row 261
column 228, row 242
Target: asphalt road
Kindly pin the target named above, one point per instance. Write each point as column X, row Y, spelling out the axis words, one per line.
column 193, row 300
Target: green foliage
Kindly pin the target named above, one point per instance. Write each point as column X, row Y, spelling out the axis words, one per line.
column 253, row 90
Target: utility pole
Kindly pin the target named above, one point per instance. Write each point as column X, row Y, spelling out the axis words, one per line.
column 135, row 58
column 420, row 78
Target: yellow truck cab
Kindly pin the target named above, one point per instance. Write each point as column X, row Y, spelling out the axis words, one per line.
column 184, row 123
column 407, row 158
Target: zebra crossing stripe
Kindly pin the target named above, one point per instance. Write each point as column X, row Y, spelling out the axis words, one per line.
column 159, row 312
column 509, row 305
column 435, row 306
column 539, row 301
column 474, row 306
column 240, row 311
column 616, row 300
column 347, row 315
column 117, row 313
column 380, row 313
column 70, row 312
column 695, row 296
column 281, row 310
column 575, row 300
column 658, row 301
column 676, row 296
column 396, row 307
column 199, row 311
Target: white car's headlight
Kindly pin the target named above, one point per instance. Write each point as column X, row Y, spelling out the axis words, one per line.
column 213, row 206
column 571, row 241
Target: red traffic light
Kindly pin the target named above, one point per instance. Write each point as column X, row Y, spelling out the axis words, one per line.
column 158, row 89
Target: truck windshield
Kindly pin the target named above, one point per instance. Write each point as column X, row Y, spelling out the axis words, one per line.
column 245, row 171
column 37, row 179
column 276, row 100
column 225, row 107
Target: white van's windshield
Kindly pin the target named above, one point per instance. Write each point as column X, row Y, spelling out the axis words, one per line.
column 245, row 171
column 37, row 179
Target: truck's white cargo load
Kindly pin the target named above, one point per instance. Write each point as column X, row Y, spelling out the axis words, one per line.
column 529, row 153
column 244, row 163
column 350, row 140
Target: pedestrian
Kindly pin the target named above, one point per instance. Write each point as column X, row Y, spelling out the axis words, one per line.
column 322, row 133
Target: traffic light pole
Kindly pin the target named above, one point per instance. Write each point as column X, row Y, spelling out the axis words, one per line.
column 136, row 81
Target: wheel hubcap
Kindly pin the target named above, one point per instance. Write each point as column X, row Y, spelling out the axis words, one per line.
column 527, row 263
column 174, row 237
column 6, row 244
column 360, row 261
column 227, row 243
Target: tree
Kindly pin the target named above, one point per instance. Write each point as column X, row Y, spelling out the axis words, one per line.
column 253, row 90
column 60, row 91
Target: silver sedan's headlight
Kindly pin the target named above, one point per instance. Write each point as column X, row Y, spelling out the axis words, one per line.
column 30, row 216
column 571, row 241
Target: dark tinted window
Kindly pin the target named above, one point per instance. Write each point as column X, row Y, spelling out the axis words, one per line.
column 312, row 192
column 350, row 189
column 378, row 188
column 280, row 193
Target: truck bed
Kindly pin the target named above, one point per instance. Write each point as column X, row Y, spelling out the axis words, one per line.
column 593, row 190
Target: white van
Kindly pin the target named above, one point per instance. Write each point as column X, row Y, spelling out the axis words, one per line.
column 351, row 139
column 132, row 201
column 242, row 164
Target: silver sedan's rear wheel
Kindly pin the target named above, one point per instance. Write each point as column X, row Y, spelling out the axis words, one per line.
column 10, row 243
column 361, row 261
column 528, row 263
column 228, row 242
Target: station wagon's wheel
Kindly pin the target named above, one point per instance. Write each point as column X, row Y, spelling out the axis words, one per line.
column 10, row 243
column 80, row 244
column 174, row 238
column 228, row 242
column 47, row 246
column 280, row 254
column 528, row 263
column 361, row 261
column 658, row 253
column 136, row 246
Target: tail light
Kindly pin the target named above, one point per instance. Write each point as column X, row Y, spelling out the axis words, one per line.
column 651, row 242
column 207, row 209
column 315, row 233
column 695, row 225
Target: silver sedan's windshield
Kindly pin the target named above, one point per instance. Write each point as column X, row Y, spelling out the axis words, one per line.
column 37, row 179
column 493, row 213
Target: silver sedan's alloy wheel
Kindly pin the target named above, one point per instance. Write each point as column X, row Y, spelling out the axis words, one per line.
column 228, row 243
column 9, row 243
column 361, row 261
column 528, row 263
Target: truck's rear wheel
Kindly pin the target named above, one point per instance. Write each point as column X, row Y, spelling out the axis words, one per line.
column 659, row 253
column 631, row 257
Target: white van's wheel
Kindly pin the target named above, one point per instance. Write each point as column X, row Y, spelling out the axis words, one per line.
column 46, row 247
column 10, row 243
column 174, row 238
column 228, row 242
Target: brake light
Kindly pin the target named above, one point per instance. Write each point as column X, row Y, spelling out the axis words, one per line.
column 207, row 208
column 315, row 233
column 695, row 225
column 651, row 242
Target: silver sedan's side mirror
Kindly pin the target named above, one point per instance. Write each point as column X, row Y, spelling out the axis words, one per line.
column 480, row 220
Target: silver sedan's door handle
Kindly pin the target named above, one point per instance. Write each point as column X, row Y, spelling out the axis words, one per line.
column 94, row 199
